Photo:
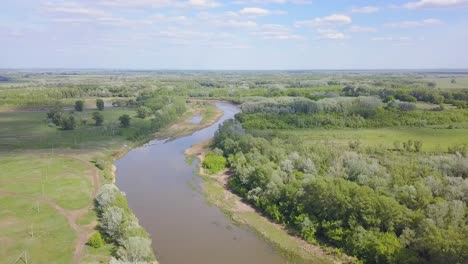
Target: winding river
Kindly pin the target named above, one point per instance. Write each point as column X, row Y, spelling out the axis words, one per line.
column 161, row 189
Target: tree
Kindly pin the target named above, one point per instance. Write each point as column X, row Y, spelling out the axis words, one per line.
column 135, row 249
column 56, row 114
column 124, row 120
column 100, row 104
column 79, row 105
column 68, row 123
column 111, row 222
column 99, row 118
column 143, row 111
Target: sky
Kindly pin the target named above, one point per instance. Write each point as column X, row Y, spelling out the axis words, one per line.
column 234, row 35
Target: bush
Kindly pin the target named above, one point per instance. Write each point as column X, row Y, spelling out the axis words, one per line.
column 68, row 123
column 79, row 105
column 124, row 120
column 213, row 163
column 100, row 164
column 96, row 240
column 143, row 111
column 56, row 114
column 100, row 104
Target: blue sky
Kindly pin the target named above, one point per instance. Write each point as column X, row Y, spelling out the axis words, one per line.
column 238, row 34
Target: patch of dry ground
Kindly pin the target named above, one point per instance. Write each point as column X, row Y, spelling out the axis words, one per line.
column 183, row 127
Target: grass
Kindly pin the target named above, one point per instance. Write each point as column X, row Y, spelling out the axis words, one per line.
column 36, row 228
column 445, row 81
column 29, row 130
column 64, row 180
column 433, row 138
column 34, row 164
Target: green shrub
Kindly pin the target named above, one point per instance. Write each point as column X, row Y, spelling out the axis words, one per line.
column 124, row 120
column 96, row 240
column 100, row 164
column 213, row 163
column 79, row 105
column 100, row 104
column 99, row 118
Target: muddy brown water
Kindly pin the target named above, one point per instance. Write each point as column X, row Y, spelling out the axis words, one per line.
column 164, row 193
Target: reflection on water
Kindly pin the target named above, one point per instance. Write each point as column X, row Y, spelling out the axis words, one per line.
column 184, row 229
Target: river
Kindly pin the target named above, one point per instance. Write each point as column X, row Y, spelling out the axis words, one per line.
column 161, row 189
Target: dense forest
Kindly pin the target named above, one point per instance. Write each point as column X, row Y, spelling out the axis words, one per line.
column 384, row 206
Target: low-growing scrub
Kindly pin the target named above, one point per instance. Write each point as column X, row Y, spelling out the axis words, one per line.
column 214, row 163
column 96, row 240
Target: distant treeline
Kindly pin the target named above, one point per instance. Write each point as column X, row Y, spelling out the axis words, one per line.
column 340, row 112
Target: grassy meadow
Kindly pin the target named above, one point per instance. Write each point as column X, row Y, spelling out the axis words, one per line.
column 40, row 194
column 434, row 139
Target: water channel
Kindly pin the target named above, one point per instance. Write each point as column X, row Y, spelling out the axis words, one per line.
column 161, row 189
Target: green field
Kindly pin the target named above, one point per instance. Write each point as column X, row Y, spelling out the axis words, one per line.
column 445, row 82
column 434, row 139
column 37, row 193
column 30, row 130
column 46, row 179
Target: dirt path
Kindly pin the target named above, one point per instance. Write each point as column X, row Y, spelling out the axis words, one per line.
column 85, row 232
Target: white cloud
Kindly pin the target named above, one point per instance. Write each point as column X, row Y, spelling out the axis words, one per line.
column 239, row 24
column 276, row 32
column 331, row 34
column 332, row 20
column 138, row 3
column 254, row 11
column 365, row 9
column 359, row 29
column 70, row 8
column 409, row 24
column 265, row 2
column 203, row 3
column 391, row 38
column 435, row 4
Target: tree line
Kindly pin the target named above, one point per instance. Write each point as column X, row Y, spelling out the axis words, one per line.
column 378, row 205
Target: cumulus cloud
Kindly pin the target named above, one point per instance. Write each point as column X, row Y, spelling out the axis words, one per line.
column 388, row 38
column 239, row 24
column 332, row 20
column 359, row 29
column 331, row 34
column 265, row 2
column 138, row 3
column 254, row 11
column 435, row 4
column 70, row 8
column 276, row 32
column 365, row 9
column 409, row 24
column 202, row 3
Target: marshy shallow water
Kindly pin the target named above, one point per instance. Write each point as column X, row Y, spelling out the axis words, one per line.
column 162, row 191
